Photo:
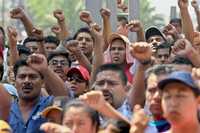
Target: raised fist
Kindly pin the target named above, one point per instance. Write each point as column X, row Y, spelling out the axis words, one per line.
column 134, row 25
column 105, row 13
column 141, row 51
column 17, row 13
column 59, row 15
column 86, row 17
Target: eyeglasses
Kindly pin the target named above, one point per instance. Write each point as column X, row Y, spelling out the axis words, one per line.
column 57, row 62
column 76, row 78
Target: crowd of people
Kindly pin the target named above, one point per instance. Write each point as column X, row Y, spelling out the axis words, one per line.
column 96, row 80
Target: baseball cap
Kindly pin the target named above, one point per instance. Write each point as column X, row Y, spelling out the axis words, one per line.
column 45, row 112
column 114, row 36
column 81, row 70
column 4, row 127
column 152, row 31
column 182, row 77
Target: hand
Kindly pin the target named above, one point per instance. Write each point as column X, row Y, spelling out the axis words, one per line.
column 59, row 15
column 123, row 7
column 95, row 31
column 170, row 30
column 196, row 76
column 105, row 13
column 139, row 121
column 86, row 17
column 182, row 47
column 72, row 46
column 37, row 33
column 56, row 29
column 17, row 13
column 195, row 4
column 94, row 99
column 134, row 25
column 49, row 127
column 38, row 62
column 141, row 51
column 183, row 3
column 12, row 36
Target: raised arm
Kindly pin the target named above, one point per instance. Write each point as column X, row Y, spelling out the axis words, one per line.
column 197, row 12
column 55, row 83
column 142, row 52
column 19, row 13
column 187, row 25
column 107, row 31
column 12, row 40
column 59, row 15
column 136, row 26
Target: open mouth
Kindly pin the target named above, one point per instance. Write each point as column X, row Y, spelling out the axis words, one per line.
column 27, row 88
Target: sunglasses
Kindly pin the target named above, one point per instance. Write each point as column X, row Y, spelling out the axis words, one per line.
column 75, row 78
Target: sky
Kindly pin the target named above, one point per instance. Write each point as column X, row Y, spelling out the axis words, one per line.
column 163, row 6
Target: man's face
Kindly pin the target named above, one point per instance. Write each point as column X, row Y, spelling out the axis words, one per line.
column 177, row 26
column 155, row 41
column 118, row 52
column 28, row 83
column 33, row 46
column 179, row 103
column 59, row 64
column 153, row 96
column 110, row 83
column 49, row 47
column 162, row 55
column 85, row 43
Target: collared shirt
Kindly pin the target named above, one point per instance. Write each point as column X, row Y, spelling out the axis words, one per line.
column 126, row 110
column 34, row 121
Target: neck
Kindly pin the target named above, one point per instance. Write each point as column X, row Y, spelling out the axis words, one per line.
column 190, row 127
column 158, row 117
column 24, row 103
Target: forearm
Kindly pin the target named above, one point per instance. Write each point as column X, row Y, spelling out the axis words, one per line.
column 197, row 12
column 108, row 111
column 107, row 31
column 193, row 56
column 42, row 49
column 14, row 55
column 83, row 60
column 64, row 30
column 54, row 84
column 137, row 93
column 98, row 58
column 28, row 25
column 187, row 25
column 140, row 35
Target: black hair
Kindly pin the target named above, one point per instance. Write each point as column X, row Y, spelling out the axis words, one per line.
column 52, row 39
column 115, row 68
column 122, row 126
column 59, row 53
column 94, row 115
column 122, row 19
column 164, row 45
column 1, row 71
column 29, row 39
column 23, row 50
column 176, row 20
column 21, row 63
column 178, row 60
column 83, row 29
column 161, row 69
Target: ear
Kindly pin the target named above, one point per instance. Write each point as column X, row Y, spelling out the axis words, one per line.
column 198, row 100
column 128, row 87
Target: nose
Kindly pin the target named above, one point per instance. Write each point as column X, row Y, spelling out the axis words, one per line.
column 157, row 96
